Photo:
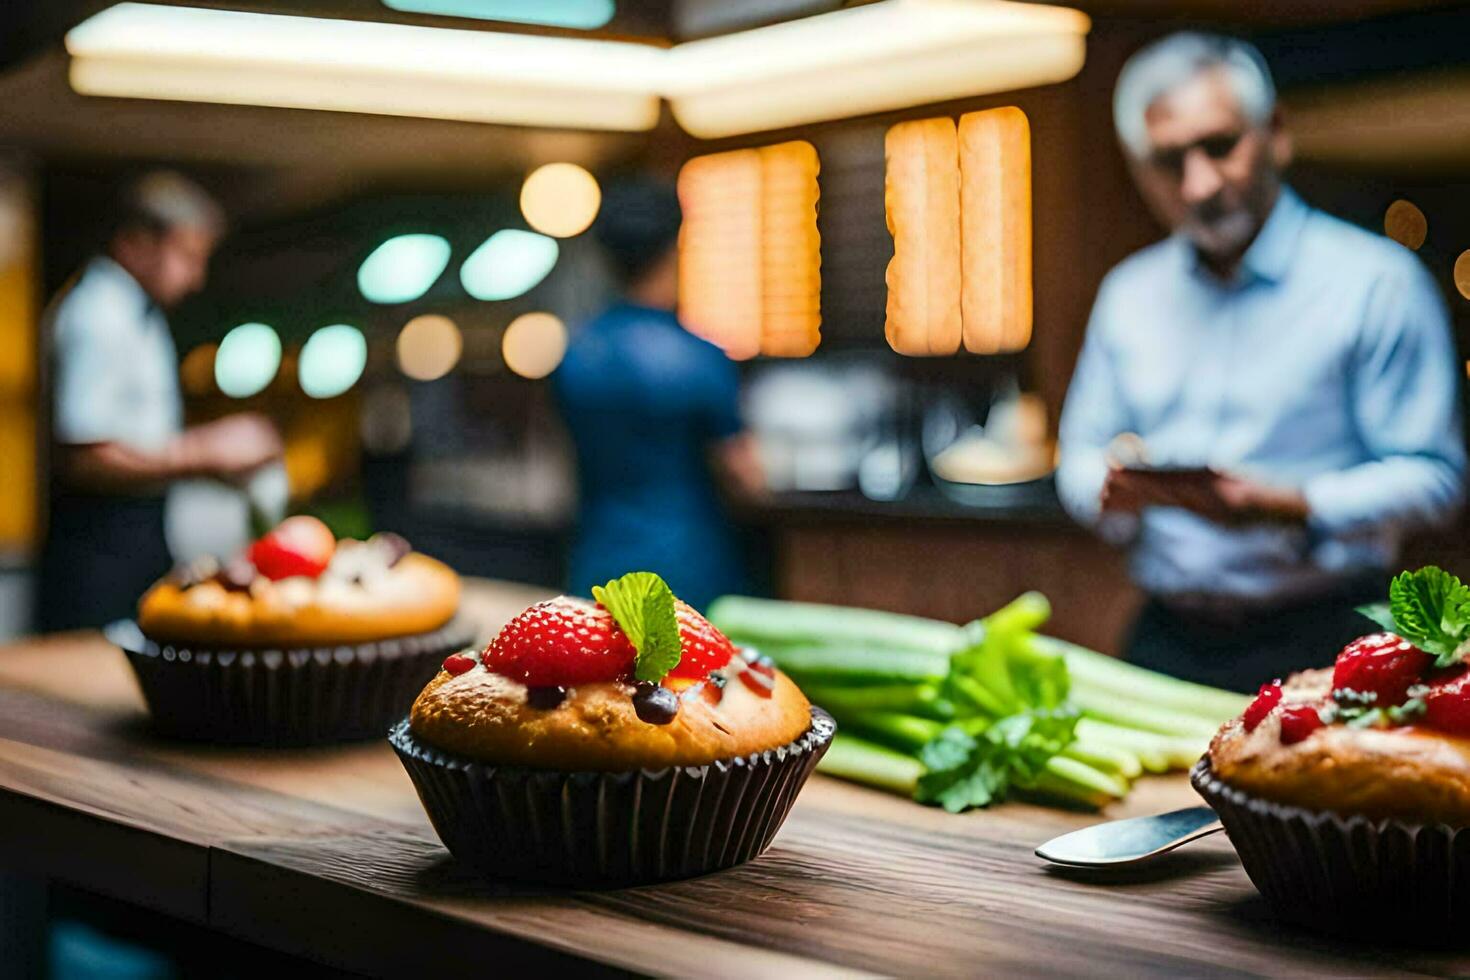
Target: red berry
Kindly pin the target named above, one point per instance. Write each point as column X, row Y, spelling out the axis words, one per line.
column 705, row 648
column 298, row 546
column 1447, row 705
column 1381, row 664
column 1267, row 698
column 1297, row 722
column 561, row 643
column 459, row 663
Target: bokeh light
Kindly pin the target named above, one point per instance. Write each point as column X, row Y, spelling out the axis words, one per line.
column 247, row 360
column 508, row 264
column 1462, row 273
column 560, row 199
column 403, row 268
column 534, row 344
column 332, row 360
column 1405, row 224
column 429, row 347
column 196, row 371
column 585, row 15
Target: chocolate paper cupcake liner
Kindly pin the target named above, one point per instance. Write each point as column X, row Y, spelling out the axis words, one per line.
column 1339, row 873
column 603, row 829
column 285, row 697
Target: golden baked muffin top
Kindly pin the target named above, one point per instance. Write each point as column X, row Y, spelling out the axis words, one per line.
column 1385, row 732
column 1408, row 772
column 629, row 683
column 298, row 587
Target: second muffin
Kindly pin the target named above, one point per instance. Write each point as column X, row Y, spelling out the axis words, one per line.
column 299, row 640
column 548, row 758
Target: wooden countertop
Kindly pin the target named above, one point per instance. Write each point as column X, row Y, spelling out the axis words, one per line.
column 326, row 854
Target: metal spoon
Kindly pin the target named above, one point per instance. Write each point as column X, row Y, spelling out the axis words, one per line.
column 1126, row 842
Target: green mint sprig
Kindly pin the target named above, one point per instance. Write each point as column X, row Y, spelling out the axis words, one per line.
column 642, row 605
column 962, row 770
column 1431, row 609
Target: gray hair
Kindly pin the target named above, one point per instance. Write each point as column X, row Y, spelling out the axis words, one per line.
column 1170, row 62
column 164, row 199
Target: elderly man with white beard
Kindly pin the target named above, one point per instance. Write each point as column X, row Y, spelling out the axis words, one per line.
column 1266, row 401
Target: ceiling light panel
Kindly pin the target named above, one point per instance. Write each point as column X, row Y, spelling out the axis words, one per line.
column 201, row 55
column 872, row 58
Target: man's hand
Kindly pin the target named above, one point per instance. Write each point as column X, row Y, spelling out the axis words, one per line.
column 233, row 446
column 1220, row 497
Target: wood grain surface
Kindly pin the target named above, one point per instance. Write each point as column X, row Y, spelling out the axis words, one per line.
column 326, row 854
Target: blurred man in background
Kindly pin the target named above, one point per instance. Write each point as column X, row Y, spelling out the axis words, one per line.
column 654, row 412
column 117, row 430
column 1286, row 381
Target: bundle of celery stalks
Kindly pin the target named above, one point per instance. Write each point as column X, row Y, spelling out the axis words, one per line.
column 962, row 716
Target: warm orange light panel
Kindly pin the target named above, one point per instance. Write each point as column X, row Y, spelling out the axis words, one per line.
column 749, row 252
column 922, row 199
column 791, row 252
column 995, row 230
column 719, row 250
column 19, row 273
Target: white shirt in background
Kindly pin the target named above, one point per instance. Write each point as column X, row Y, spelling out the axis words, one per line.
column 115, row 368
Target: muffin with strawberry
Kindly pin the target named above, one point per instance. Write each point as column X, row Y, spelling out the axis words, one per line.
column 609, row 742
column 1346, row 790
column 299, row 639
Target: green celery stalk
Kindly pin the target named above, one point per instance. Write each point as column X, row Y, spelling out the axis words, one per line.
column 848, row 702
column 1108, row 675
column 982, row 697
column 904, row 732
column 862, row 761
column 850, row 665
column 1141, row 714
column 1111, row 759
column 756, row 622
column 1023, row 614
column 1068, row 781
column 1159, row 753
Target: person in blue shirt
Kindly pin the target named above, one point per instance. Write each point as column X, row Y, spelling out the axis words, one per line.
column 654, row 413
column 1300, row 370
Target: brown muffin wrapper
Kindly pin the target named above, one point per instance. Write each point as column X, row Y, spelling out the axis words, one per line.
column 1342, row 873
column 285, row 697
column 606, row 829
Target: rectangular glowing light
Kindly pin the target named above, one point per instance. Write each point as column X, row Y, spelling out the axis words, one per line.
column 921, row 195
column 870, row 58
column 141, row 50
column 958, row 200
column 995, row 229
column 749, row 251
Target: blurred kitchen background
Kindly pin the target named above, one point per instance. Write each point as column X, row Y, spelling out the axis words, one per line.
column 385, row 297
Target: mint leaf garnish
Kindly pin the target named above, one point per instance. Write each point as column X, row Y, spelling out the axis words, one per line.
column 1431, row 609
column 1380, row 614
column 643, row 607
column 964, row 770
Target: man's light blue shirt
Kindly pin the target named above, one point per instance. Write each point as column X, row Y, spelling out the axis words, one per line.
column 1325, row 365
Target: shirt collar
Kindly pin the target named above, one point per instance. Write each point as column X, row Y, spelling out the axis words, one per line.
column 1269, row 257
column 109, row 268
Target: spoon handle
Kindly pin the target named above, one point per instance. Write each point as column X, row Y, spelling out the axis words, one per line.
column 1124, row 842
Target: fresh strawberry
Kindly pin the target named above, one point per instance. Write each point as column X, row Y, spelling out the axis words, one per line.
column 298, row 546
column 1297, row 722
column 1381, row 664
column 1267, row 698
column 705, row 648
column 1447, row 704
column 459, row 663
column 561, row 643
